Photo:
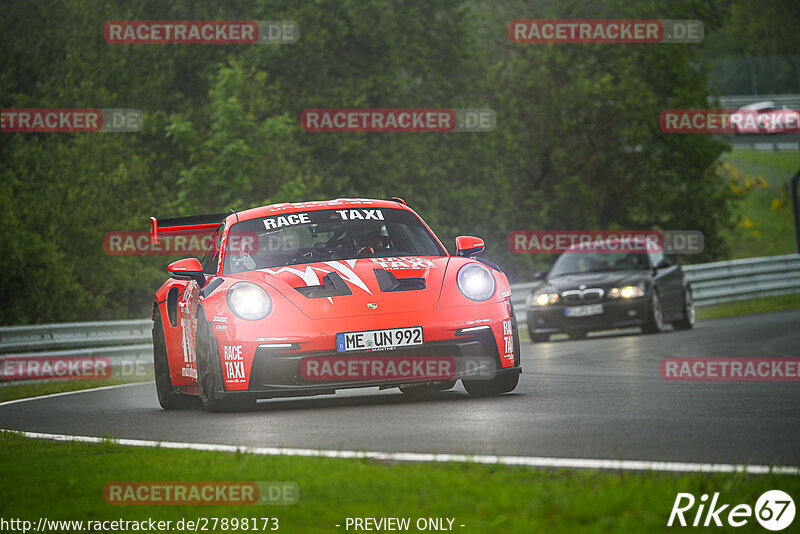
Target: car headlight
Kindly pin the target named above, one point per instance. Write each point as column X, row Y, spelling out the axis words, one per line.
column 475, row 282
column 249, row 301
column 626, row 292
column 544, row 298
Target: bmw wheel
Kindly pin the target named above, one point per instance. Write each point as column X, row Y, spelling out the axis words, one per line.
column 689, row 315
column 655, row 315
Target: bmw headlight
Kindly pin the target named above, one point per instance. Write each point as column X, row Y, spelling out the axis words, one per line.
column 475, row 282
column 249, row 301
column 627, row 292
column 544, row 297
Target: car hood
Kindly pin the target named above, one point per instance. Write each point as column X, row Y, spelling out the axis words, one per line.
column 366, row 297
column 605, row 280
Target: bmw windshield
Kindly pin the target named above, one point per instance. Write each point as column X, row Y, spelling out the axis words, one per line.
column 577, row 263
column 326, row 235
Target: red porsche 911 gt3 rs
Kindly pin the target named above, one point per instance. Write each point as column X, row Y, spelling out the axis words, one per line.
column 308, row 298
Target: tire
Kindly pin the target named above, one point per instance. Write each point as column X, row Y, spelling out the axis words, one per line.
column 168, row 398
column 501, row 383
column 209, row 374
column 578, row 334
column 655, row 315
column 537, row 338
column 419, row 392
column 688, row 312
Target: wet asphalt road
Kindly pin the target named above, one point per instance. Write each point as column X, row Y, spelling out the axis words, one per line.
column 597, row 398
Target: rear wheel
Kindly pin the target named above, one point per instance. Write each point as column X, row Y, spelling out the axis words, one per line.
column 688, row 312
column 655, row 317
column 209, row 374
column 168, row 398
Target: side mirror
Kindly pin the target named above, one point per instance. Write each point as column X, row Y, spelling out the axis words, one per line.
column 187, row 269
column 469, row 246
column 541, row 275
column 663, row 263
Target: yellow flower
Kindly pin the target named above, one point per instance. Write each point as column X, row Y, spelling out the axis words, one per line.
column 747, row 223
column 777, row 203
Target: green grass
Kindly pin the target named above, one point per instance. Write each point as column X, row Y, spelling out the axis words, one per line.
column 32, row 389
column 765, row 225
column 750, row 306
column 66, row 480
column 787, row 161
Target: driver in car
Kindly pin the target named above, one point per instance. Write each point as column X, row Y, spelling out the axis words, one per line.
column 373, row 241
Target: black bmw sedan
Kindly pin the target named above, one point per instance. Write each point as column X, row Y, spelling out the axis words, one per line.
column 585, row 292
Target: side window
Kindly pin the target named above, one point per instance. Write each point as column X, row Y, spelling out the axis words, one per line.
column 211, row 256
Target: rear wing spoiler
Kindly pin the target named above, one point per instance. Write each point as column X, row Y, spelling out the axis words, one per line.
column 181, row 224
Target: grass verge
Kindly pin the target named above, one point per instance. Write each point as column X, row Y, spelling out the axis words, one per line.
column 750, row 306
column 765, row 226
column 66, row 481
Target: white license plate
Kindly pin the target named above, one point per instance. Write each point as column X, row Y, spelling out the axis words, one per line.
column 583, row 311
column 379, row 339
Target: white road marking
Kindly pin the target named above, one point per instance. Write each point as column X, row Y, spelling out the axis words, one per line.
column 73, row 392
column 527, row 461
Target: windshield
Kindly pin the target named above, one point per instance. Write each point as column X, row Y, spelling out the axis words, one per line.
column 326, row 235
column 571, row 263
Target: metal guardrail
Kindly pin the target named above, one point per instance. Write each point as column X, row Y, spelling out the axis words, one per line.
column 74, row 335
column 728, row 281
column 737, row 101
column 127, row 344
column 130, row 341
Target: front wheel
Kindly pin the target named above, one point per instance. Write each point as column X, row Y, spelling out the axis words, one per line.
column 655, row 317
column 209, row 374
column 688, row 312
column 503, row 382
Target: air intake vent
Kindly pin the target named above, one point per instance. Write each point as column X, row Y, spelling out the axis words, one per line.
column 333, row 286
column 389, row 282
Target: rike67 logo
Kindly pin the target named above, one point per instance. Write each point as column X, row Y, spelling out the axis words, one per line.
column 774, row 510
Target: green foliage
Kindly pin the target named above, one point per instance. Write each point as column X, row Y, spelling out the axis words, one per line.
column 577, row 143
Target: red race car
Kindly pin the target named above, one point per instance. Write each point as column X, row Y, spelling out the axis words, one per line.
column 308, row 298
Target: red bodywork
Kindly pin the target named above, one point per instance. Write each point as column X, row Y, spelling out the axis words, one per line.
column 309, row 326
